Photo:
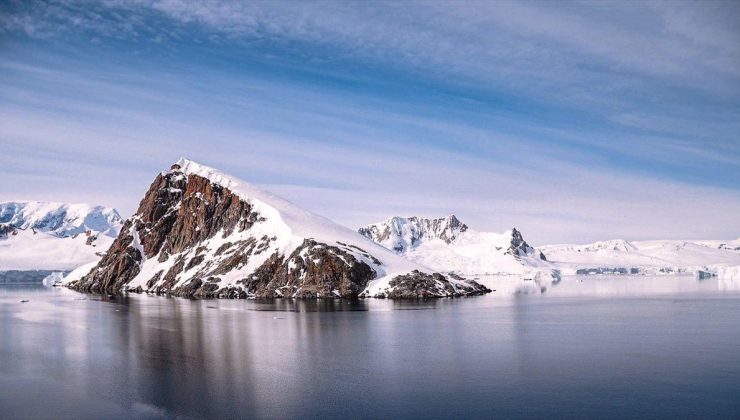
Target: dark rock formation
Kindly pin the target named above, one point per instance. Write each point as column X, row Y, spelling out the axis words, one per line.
column 418, row 285
column 519, row 247
column 5, row 230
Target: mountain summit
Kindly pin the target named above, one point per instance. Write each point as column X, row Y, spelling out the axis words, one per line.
column 403, row 233
column 200, row 232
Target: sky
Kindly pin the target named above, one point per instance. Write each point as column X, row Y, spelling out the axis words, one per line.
column 572, row 121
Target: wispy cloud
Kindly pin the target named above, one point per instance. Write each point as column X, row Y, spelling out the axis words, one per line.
column 573, row 121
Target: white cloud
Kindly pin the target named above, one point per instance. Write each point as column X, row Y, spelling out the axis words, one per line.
column 56, row 158
column 91, row 131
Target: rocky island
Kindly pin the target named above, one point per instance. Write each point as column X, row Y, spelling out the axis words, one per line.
column 201, row 233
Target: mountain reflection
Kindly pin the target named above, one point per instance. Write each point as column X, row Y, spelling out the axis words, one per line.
column 88, row 356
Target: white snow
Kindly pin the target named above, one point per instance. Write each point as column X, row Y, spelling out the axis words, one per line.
column 285, row 219
column 53, row 236
column 647, row 256
column 463, row 250
column 79, row 272
column 733, row 245
column 474, row 253
column 60, row 219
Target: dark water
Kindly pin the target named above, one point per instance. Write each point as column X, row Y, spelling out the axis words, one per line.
column 601, row 348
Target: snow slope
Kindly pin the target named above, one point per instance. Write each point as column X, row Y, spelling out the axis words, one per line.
column 656, row 256
column 446, row 244
column 38, row 235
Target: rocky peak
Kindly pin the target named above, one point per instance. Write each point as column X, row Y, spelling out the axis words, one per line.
column 180, row 211
column 403, row 233
column 519, row 247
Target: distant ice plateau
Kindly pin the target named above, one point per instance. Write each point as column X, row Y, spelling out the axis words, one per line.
column 655, row 257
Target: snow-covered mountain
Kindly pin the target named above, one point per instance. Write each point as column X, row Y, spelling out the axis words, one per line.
column 200, row 232
column 447, row 244
column 36, row 235
column 401, row 234
column 657, row 256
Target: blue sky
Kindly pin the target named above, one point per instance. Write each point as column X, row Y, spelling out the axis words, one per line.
column 573, row 121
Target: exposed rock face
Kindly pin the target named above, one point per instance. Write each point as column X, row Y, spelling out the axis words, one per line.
column 417, row 285
column 198, row 233
column 41, row 235
column 6, row 230
column 519, row 247
column 448, row 245
column 402, row 233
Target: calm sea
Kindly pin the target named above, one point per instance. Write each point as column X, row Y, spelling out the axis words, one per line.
column 588, row 347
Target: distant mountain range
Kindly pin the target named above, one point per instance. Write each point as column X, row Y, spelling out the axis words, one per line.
column 37, row 235
column 446, row 244
column 651, row 257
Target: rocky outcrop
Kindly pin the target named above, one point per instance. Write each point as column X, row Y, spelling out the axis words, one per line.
column 200, row 233
column 403, row 233
column 5, row 230
column 520, row 248
column 418, row 285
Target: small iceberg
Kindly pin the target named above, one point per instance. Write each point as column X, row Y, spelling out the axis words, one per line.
column 54, row 279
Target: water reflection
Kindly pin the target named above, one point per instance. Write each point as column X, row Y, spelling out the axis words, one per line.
column 607, row 285
column 153, row 356
column 728, row 284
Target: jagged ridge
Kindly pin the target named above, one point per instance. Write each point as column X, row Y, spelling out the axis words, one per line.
column 447, row 244
column 59, row 219
column 54, row 236
column 403, row 233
